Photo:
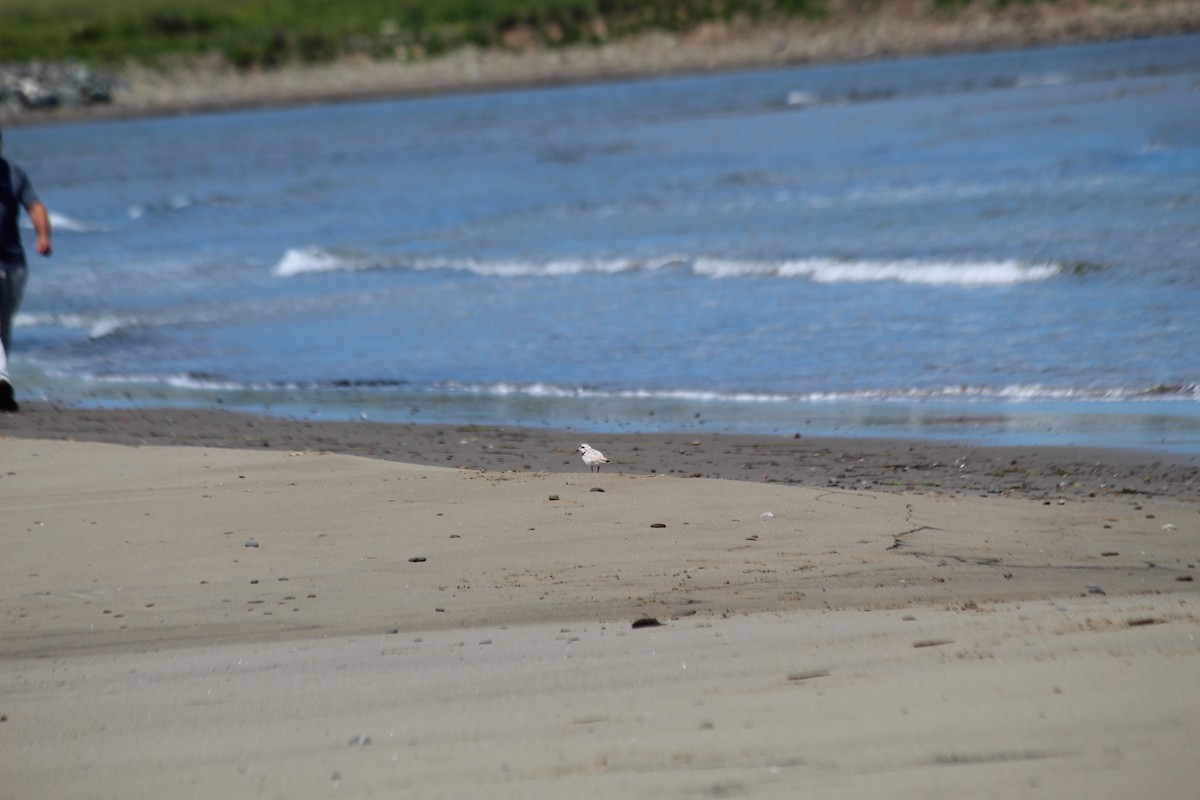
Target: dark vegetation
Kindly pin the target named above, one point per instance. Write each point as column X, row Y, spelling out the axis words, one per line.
column 272, row 33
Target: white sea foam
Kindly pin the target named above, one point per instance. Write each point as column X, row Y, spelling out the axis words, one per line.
column 106, row 326
column 182, row 381
column 300, row 261
column 97, row 326
column 1016, row 393
column 203, row 383
column 61, row 222
column 912, row 271
column 800, row 98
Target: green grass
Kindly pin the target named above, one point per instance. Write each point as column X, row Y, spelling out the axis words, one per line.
column 269, row 33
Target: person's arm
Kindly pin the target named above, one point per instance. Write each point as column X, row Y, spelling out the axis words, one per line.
column 41, row 223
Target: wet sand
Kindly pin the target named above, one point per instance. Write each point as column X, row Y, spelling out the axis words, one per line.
column 207, row 603
column 877, row 464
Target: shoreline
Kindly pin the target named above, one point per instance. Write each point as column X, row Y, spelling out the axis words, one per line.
column 849, row 34
column 1042, row 473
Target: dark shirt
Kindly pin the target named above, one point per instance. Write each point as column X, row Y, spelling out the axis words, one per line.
column 15, row 191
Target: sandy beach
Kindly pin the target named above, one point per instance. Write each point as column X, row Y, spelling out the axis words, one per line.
column 203, row 603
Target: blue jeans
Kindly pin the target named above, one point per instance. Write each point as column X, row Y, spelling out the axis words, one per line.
column 12, row 288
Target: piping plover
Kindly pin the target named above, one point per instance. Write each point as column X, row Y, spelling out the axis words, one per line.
column 591, row 456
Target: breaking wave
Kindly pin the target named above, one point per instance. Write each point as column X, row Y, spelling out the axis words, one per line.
column 931, row 272
column 1014, row 393
column 97, row 326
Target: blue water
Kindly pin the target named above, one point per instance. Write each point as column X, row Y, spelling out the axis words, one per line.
column 1001, row 248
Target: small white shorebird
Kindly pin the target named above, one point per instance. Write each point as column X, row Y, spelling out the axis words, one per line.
column 591, row 456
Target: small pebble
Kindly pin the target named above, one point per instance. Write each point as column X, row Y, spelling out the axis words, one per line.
column 416, row 559
column 646, row 622
column 251, row 543
column 658, row 525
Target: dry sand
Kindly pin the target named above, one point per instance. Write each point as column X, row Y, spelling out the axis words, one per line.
column 212, row 621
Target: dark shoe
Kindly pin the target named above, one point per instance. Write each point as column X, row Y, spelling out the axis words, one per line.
column 7, row 401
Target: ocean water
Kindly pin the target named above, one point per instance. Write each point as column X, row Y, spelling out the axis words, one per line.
column 999, row 248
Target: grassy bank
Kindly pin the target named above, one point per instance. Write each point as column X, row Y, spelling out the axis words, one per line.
column 272, row 33
column 190, row 55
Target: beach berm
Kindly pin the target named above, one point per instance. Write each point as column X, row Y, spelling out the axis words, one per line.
column 438, row 631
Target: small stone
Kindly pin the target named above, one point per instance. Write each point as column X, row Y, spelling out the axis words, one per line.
column 416, row 559
column 658, row 525
column 596, row 489
column 251, row 543
column 553, row 497
column 646, row 622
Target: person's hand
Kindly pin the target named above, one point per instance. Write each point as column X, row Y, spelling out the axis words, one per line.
column 43, row 245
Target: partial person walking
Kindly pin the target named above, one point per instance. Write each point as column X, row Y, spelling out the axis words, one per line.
column 15, row 192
